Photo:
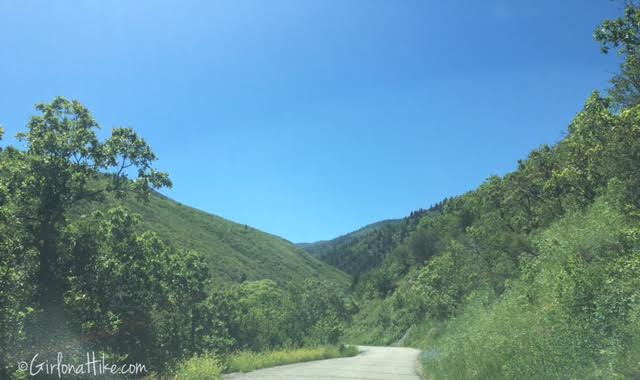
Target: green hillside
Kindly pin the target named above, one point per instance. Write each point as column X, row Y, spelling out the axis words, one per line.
column 235, row 252
column 360, row 251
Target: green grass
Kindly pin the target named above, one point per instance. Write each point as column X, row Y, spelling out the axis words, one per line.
column 199, row 368
column 249, row 361
column 210, row 367
column 235, row 252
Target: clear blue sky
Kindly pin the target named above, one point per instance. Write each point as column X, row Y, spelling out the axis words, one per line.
column 311, row 118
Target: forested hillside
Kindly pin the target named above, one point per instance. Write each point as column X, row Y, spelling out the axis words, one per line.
column 535, row 274
column 359, row 251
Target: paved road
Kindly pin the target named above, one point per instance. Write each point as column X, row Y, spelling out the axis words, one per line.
column 373, row 363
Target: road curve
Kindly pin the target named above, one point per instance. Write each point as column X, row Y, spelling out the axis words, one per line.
column 372, row 363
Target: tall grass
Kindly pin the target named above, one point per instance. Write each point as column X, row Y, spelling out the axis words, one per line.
column 199, row 368
column 249, row 361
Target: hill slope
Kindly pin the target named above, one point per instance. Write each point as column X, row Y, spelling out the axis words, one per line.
column 235, row 252
column 359, row 251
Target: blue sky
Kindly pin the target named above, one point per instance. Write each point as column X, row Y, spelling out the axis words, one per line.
column 311, row 118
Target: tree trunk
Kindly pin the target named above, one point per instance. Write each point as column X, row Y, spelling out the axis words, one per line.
column 4, row 373
column 49, row 287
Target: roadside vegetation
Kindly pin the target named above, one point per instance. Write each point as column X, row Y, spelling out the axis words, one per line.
column 209, row 367
column 206, row 367
column 249, row 361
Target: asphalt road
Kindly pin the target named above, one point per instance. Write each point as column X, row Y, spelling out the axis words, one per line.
column 373, row 363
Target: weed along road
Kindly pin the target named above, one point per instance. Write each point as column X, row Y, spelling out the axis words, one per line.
column 372, row 363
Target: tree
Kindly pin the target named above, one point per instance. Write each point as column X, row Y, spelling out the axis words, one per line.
column 136, row 295
column 15, row 289
column 260, row 314
column 323, row 310
column 623, row 34
column 64, row 164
